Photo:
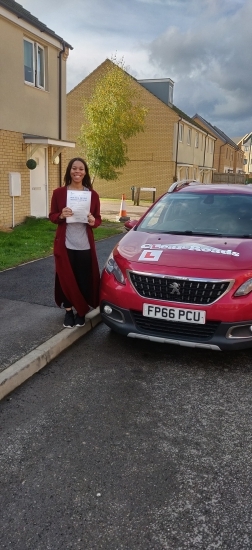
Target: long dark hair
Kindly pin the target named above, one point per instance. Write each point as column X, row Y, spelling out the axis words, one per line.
column 86, row 180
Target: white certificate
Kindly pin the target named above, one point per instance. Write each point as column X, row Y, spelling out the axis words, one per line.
column 79, row 202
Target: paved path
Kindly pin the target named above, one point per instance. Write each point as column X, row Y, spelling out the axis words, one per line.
column 31, row 332
column 110, row 209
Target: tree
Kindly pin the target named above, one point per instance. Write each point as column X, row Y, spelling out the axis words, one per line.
column 113, row 114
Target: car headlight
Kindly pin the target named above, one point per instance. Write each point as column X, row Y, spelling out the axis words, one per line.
column 112, row 267
column 244, row 289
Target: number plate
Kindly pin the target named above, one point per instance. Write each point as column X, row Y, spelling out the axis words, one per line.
column 174, row 314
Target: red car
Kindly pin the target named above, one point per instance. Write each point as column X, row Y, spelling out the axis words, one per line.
column 183, row 273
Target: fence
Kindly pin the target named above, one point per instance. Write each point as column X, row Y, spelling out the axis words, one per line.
column 228, row 178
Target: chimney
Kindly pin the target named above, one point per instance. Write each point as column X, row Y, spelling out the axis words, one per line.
column 161, row 88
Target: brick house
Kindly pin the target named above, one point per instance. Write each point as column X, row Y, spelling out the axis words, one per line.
column 33, row 113
column 228, row 156
column 173, row 146
column 245, row 143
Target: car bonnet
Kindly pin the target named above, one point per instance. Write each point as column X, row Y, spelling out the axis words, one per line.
column 196, row 252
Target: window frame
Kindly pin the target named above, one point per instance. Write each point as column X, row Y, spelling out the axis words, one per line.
column 189, row 136
column 181, row 133
column 38, row 64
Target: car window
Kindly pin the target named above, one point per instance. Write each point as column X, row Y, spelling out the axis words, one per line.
column 215, row 213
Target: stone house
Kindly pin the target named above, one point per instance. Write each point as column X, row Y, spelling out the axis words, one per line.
column 33, row 113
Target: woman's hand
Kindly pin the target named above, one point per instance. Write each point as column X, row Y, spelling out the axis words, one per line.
column 91, row 219
column 66, row 213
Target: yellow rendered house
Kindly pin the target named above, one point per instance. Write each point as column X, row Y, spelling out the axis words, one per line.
column 32, row 114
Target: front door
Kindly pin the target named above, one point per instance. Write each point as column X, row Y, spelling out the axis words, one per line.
column 38, row 183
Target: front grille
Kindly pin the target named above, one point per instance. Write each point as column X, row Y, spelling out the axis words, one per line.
column 175, row 289
column 174, row 330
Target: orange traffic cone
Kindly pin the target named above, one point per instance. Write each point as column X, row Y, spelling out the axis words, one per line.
column 123, row 213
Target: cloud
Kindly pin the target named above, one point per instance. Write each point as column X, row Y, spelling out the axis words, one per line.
column 210, row 64
column 203, row 45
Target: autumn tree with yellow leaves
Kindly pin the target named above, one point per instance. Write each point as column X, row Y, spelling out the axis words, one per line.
column 113, row 114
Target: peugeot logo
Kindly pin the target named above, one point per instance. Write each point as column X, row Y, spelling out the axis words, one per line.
column 175, row 288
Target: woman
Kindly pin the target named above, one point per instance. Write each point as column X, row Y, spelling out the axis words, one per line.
column 77, row 271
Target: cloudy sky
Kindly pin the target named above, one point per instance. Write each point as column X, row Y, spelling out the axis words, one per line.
column 204, row 46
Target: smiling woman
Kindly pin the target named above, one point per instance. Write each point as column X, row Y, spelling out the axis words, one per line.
column 77, row 272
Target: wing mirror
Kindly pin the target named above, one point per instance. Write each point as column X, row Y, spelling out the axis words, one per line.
column 130, row 224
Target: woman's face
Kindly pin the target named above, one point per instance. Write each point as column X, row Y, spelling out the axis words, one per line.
column 77, row 171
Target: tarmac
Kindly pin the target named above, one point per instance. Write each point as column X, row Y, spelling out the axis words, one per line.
column 31, row 327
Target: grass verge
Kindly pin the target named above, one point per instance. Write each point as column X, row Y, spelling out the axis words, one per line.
column 34, row 238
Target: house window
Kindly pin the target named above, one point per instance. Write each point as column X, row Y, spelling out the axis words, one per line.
column 34, row 63
column 181, row 132
column 189, row 136
column 197, row 139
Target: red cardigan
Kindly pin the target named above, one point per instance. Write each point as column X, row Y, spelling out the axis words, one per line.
column 64, row 279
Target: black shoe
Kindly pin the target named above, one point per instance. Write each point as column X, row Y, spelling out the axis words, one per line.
column 69, row 321
column 79, row 321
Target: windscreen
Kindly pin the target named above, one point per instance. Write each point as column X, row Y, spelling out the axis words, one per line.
column 201, row 213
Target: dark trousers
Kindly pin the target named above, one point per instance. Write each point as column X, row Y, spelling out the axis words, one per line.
column 81, row 264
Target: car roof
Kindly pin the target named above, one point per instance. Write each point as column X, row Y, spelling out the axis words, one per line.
column 190, row 186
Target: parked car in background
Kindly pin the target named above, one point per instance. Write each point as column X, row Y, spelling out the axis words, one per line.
column 183, row 273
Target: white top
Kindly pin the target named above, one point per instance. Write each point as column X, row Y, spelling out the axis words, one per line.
column 76, row 236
